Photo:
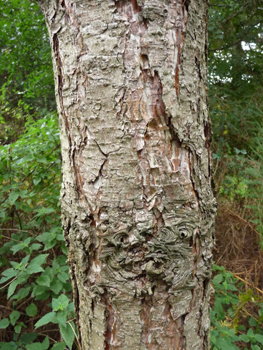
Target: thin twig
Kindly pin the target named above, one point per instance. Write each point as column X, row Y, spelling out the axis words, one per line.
column 241, row 279
column 240, row 217
column 8, row 283
column 75, row 334
column 11, row 239
column 9, row 308
column 46, row 335
column 244, row 309
column 16, row 229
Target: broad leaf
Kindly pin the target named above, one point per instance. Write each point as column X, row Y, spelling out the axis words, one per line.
column 46, row 319
column 14, row 316
column 31, row 310
column 59, row 346
column 4, row 323
column 67, row 334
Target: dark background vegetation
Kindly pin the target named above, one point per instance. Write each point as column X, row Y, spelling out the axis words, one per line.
column 36, row 310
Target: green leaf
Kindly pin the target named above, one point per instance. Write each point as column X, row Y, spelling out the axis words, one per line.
column 14, row 316
column 10, row 273
column 50, row 245
column 4, row 279
column 34, row 268
column 13, row 197
column 67, row 287
column 8, row 346
column 37, row 180
column 4, row 323
column 35, row 264
column 43, row 280
column 12, row 288
column 15, row 264
column 45, row 343
column 59, row 346
column 223, row 344
column 218, row 309
column 39, row 290
column 28, row 337
column 250, row 332
column 61, row 303
column 45, row 319
column 56, row 285
column 22, row 293
column 16, row 248
column 63, row 277
column 217, row 279
column 31, row 310
column 71, row 308
column 259, row 338
column 35, row 246
column 62, row 316
column 19, row 326
column 231, row 287
column 42, row 160
column 60, row 237
column 67, row 334
column 244, row 337
column 48, row 272
column 55, row 266
column 40, row 259
column 255, row 347
column 24, row 261
column 21, row 278
column 38, row 346
column 43, row 296
column 44, row 211
column 46, row 237
column 64, row 248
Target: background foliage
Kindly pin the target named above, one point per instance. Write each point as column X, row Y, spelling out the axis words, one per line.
column 236, row 106
column 35, row 293
column 26, row 77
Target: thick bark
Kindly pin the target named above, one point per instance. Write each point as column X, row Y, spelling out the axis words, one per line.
column 137, row 205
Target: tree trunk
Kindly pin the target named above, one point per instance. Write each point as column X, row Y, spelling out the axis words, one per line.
column 137, row 205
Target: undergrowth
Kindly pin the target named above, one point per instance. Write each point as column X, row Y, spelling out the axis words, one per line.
column 35, row 288
column 237, row 314
column 237, row 306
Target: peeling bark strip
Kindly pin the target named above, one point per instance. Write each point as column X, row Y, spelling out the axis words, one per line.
column 137, row 205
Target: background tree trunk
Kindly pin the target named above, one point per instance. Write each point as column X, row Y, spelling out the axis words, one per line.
column 137, row 205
